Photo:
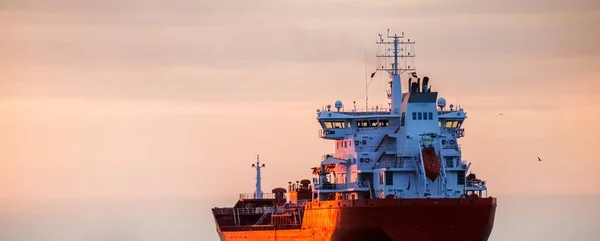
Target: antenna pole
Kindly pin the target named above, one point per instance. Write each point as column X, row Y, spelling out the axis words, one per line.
column 258, row 194
column 366, row 83
column 398, row 51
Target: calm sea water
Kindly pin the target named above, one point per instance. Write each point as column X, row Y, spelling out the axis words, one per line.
column 574, row 218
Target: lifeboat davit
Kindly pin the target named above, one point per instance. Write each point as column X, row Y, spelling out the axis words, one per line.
column 431, row 163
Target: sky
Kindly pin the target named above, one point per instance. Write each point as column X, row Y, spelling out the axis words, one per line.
column 155, row 99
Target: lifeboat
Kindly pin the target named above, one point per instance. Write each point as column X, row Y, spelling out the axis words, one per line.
column 431, row 163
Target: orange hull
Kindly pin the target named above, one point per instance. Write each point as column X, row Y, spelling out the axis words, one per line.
column 459, row 219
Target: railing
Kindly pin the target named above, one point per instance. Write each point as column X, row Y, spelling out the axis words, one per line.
column 394, row 163
column 334, row 131
column 330, row 186
column 373, row 148
column 371, row 111
column 477, row 184
column 256, row 196
column 253, row 210
column 222, row 211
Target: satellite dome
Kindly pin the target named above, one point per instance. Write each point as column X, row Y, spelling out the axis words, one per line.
column 441, row 102
column 338, row 104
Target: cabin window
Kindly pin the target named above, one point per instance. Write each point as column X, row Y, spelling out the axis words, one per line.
column 389, row 178
column 356, row 143
column 361, row 160
column 328, row 124
column 364, row 142
column 349, row 124
column 381, row 178
column 345, row 144
column 414, row 114
column 420, row 116
column 430, row 115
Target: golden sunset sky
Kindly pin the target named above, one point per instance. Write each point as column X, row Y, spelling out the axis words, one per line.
column 167, row 99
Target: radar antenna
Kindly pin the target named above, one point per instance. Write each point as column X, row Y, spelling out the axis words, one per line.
column 258, row 194
column 395, row 49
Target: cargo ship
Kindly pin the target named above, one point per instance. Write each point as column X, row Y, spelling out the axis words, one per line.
column 397, row 173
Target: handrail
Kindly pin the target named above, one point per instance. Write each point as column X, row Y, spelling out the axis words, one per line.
column 255, row 196
column 328, row 186
column 369, row 111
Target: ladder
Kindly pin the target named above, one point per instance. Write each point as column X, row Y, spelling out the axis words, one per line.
column 265, row 214
column 443, row 165
column 421, row 165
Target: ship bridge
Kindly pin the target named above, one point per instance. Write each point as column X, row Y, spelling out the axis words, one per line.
column 338, row 125
column 450, row 121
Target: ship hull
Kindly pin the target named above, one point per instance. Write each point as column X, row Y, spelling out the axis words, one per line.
column 382, row 220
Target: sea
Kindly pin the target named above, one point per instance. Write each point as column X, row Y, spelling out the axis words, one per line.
column 518, row 218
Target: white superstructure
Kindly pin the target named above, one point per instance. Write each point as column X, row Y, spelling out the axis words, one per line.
column 379, row 151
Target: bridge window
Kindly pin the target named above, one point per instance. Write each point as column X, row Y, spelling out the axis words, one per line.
column 430, row 115
column 362, row 123
column 420, row 116
column 328, row 124
column 335, row 124
column 373, row 123
column 384, row 123
column 453, row 124
column 414, row 114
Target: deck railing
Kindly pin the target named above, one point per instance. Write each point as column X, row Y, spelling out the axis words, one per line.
column 255, row 196
column 329, row 186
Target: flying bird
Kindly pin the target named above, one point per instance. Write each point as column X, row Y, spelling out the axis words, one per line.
column 539, row 159
column 499, row 114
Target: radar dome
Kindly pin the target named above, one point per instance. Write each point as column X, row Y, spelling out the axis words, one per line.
column 338, row 104
column 441, row 102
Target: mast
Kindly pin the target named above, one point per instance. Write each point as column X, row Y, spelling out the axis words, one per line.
column 398, row 49
column 258, row 193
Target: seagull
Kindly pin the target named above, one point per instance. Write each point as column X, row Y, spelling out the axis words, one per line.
column 539, row 159
column 499, row 114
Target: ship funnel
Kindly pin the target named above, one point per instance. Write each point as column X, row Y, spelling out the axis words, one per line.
column 409, row 85
column 418, row 85
column 414, row 87
column 425, row 83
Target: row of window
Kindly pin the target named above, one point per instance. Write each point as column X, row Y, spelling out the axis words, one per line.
column 451, row 124
column 373, row 123
column 359, row 124
column 422, row 115
column 344, row 144
column 335, row 124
